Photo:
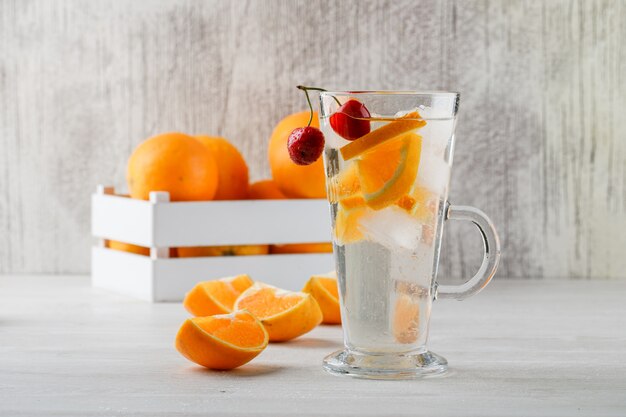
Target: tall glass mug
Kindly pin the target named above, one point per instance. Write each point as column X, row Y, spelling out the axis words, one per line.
column 388, row 195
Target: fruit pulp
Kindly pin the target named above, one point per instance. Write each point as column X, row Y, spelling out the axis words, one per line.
column 386, row 253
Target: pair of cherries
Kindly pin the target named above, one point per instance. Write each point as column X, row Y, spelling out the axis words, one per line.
column 306, row 144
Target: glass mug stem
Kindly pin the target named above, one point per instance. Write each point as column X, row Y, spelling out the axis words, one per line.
column 491, row 256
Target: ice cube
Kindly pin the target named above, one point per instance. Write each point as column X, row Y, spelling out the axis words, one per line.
column 438, row 133
column 433, row 172
column 392, row 227
column 333, row 140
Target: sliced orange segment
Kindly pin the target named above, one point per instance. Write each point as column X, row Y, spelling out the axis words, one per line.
column 352, row 202
column 217, row 296
column 347, row 225
column 347, row 189
column 325, row 291
column 344, row 184
column 420, row 202
column 406, row 319
column 384, row 133
column 223, row 341
column 388, row 172
column 406, row 202
column 285, row 314
column 348, row 182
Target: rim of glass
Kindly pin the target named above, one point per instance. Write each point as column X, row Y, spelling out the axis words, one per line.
column 431, row 93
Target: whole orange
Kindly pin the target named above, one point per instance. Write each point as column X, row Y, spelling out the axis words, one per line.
column 127, row 247
column 232, row 169
column 172, row 162
column 302, row 248
column 265, row 190
column 233, row 250
column 295, row 181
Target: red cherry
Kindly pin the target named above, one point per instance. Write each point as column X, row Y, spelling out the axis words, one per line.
column 305, row 145
column 347, row 120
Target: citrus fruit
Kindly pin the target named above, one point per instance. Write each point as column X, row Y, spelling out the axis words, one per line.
column 295, row 181
column 265, row 190
column 406, row 319
column 344, row 184
column 285, row 314
column 352, row 202
column 172, row 162
column 325, row 247
column 411, row 121
column 325, row 291
column 347, row 229
column 216, row 296
column 223, row 341
column 232, row 170
column 127, row 247
column 420, row 202
column 236, row 250
column 388, row 171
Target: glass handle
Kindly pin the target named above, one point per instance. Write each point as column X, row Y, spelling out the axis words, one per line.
column 491, row 257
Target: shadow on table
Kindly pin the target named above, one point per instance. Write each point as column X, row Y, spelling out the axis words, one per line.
column 314, row 342
column 247, row 370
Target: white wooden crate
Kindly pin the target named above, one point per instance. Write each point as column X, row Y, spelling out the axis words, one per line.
column 160, row 224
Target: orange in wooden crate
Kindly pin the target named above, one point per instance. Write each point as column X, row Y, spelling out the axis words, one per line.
column 222, row 341
column 232, row 168
column 295, row 181
column 172, row 162
column 285, row 314
column 325, row 291
column 127, row 247
column 265, row 190
column 216, row 296
column 231, row 250
column 324, row 247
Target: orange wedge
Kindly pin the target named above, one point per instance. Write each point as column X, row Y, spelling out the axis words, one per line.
column 347, row 225
column 217, row 296
column 384, row 133
column 325, row 291
column 388, row 172
column 420, row 202
column 406, row 319
column 345, row 188
column 224, row 341
column 348, row 182
column 352, row 202
column 285, row 314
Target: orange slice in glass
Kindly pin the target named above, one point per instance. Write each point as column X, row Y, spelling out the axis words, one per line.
column 325, row 291
column 347, row 225
column 285, row 314
column 411, row 121
column 387, row 172
column 223, row 341
column 420, row 202
column 217, row 296
column 406, row 319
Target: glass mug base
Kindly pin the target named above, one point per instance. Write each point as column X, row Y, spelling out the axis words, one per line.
column 408, row 365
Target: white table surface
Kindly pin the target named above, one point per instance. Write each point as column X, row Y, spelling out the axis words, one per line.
column 520, row 348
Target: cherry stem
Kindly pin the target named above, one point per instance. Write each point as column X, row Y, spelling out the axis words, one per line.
column 306, row 91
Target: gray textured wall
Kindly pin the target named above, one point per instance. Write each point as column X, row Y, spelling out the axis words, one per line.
column 540, row 144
